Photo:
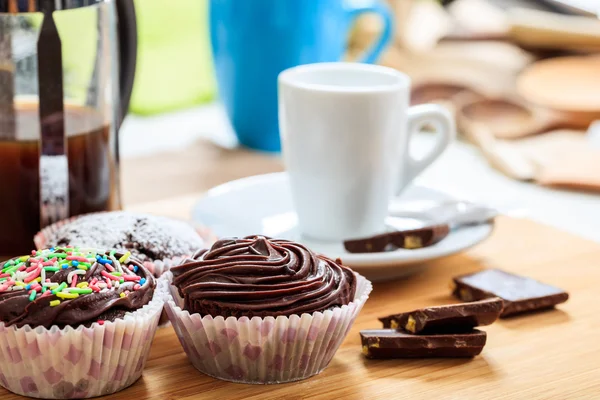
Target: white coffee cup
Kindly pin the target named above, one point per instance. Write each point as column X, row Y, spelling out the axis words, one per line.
column 345, row 132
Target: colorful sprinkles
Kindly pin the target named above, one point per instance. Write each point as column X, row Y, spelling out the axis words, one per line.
column 34, row 273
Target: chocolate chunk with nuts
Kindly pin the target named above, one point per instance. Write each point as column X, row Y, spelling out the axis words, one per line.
column 408, row 239
column 390, row 343
column 450, row 318
column 520, row 294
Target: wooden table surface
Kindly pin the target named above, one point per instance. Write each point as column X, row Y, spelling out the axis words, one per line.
column 549, row 355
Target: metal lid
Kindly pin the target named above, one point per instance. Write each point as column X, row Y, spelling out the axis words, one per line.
column 24, row 6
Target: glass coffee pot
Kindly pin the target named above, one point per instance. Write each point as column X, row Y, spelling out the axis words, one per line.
column 66, row 74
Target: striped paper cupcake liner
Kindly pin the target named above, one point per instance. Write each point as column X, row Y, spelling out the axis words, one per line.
column 263, row 350
column 78, row 363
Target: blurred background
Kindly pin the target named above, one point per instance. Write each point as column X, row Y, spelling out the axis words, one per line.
column 197, row 82
column 522, row 78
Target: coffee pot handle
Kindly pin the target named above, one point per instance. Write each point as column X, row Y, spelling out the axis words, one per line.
column 127, row 30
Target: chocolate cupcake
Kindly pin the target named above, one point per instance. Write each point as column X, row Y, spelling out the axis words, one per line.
column 158, row 242
column 260, row 310
column 75, row 322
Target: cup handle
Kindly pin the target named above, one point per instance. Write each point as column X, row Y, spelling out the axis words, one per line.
column 373, row 53
column 443, row 122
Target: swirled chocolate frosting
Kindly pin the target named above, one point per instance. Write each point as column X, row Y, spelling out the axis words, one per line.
column 260, row 277
column 71, row 287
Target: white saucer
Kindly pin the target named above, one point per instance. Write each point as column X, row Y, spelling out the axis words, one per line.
column 262, row 205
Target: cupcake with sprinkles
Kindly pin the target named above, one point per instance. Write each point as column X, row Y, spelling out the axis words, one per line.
column 75, row 322
column 259, row 310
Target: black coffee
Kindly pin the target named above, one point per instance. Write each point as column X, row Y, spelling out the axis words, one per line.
column 91, row 173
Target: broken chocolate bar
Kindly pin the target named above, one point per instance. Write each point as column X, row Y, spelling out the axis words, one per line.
column 390, row 343
column 450, row 318
column 520, row 294
column 408, row 239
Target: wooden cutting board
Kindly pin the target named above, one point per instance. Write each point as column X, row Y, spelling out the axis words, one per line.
column 548, row 355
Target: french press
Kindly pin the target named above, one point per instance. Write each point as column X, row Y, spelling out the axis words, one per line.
column 66, row 75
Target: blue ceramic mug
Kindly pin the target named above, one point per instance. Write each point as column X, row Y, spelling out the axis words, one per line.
column 254, row 40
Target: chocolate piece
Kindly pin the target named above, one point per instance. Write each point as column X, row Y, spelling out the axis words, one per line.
column 260, row 277
column 108, row 288
column 446, row 319
column 147, row 237
column 520, row 294
column 390, row 343
column 408, row 239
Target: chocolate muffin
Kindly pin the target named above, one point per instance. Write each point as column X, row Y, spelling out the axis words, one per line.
column 71, row 287
column 158, row 242
column 260, row 310
column 260, row 277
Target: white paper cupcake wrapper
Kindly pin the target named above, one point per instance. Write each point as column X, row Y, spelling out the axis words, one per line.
column 156, row 267
column 78, row 363
column 263, row 350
